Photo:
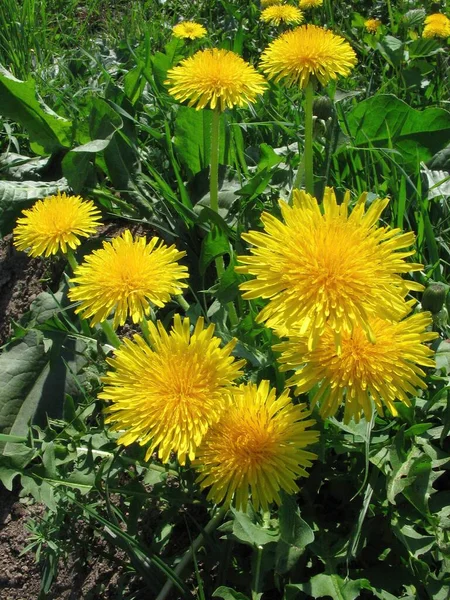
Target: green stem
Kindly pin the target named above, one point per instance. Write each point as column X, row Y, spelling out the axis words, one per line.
column 214, row 172
column 199, row 540
column 111, row 335
column 257, row 575
column 391, row 16
column 182, row 302
column 298, row 177
column 72, row 260
column 74, row 265
column 214, row 176
column 309, row 172
column 214, row 197
column 145, row 330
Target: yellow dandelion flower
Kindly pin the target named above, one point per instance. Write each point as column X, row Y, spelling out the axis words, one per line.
column 384, row 371
column 266, row 3
column 304, row 4
column 284, row 13
column 170, row 393
column 305, row 52
column 189, row 30
column 437, row 25
column 256, row 447
column 372, row 25
column 127, row 275
column 328, row 269
column 215, row 78
column 55, row 224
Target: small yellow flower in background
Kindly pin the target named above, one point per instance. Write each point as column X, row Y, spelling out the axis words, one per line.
column 189, row 30
column 266, row 3
column 372, row 25
column 55, row 224
column 304, row 4
column 384, row 371
column 127, row 275
column 308, row 52
column 215, row 78
column 283, row 13
column 437, row 25
column 256, row 447
column 170, row 393
column 328, row 269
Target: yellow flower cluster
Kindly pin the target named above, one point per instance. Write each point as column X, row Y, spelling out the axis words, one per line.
column 55, row 224
column 176, row 392
column 189, row 30
column 307, row 52
column 282, row 13
column 333, row 280
column 372, row 25
column 437, row 25
column 178, row 395
column 304, row 4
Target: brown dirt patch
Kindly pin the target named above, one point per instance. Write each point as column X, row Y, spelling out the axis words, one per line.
column 94, row 571
column 21, row 279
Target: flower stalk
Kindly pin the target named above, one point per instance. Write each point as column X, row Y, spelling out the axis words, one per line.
column 309, row 165
column 199, row 541
column 214, row 197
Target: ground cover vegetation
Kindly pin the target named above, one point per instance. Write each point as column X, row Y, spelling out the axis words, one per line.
column 237, row 374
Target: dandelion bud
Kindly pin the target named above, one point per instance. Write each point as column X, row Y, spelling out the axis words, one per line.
column 434, row 297
column 323, row 108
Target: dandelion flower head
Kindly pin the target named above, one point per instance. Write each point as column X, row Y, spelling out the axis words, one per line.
column 304, row 4
column 308, row 52
column 54, row 224
column 372, row 25
column 170, row 393
column 216, row 79
column 126, row 275
column 266, row 3
column 282, row 13
column 189, row 30
column 256, row 447
column 384, row 371
column 437, row 25
column 330, row 268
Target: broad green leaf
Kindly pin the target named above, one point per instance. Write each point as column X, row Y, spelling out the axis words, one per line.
column 134, row 84
column 391, row 48
column 423, row 47
column 46, row 306
column 247, row 532
column 256, row 185
column 192, row 139
column 387, row 122
column 78, row 164
column 329, row 585
column 228, row 287
column 295, row 535
column 413, row 473
column 18, row 102
column 416, row 543
column 13, row 464
column 215, row 244
column 269, row 158
column 227, row 593
column 18, row 195
column 104, row 121
column 34, row 381
column 18, row 167
column 442, row 357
